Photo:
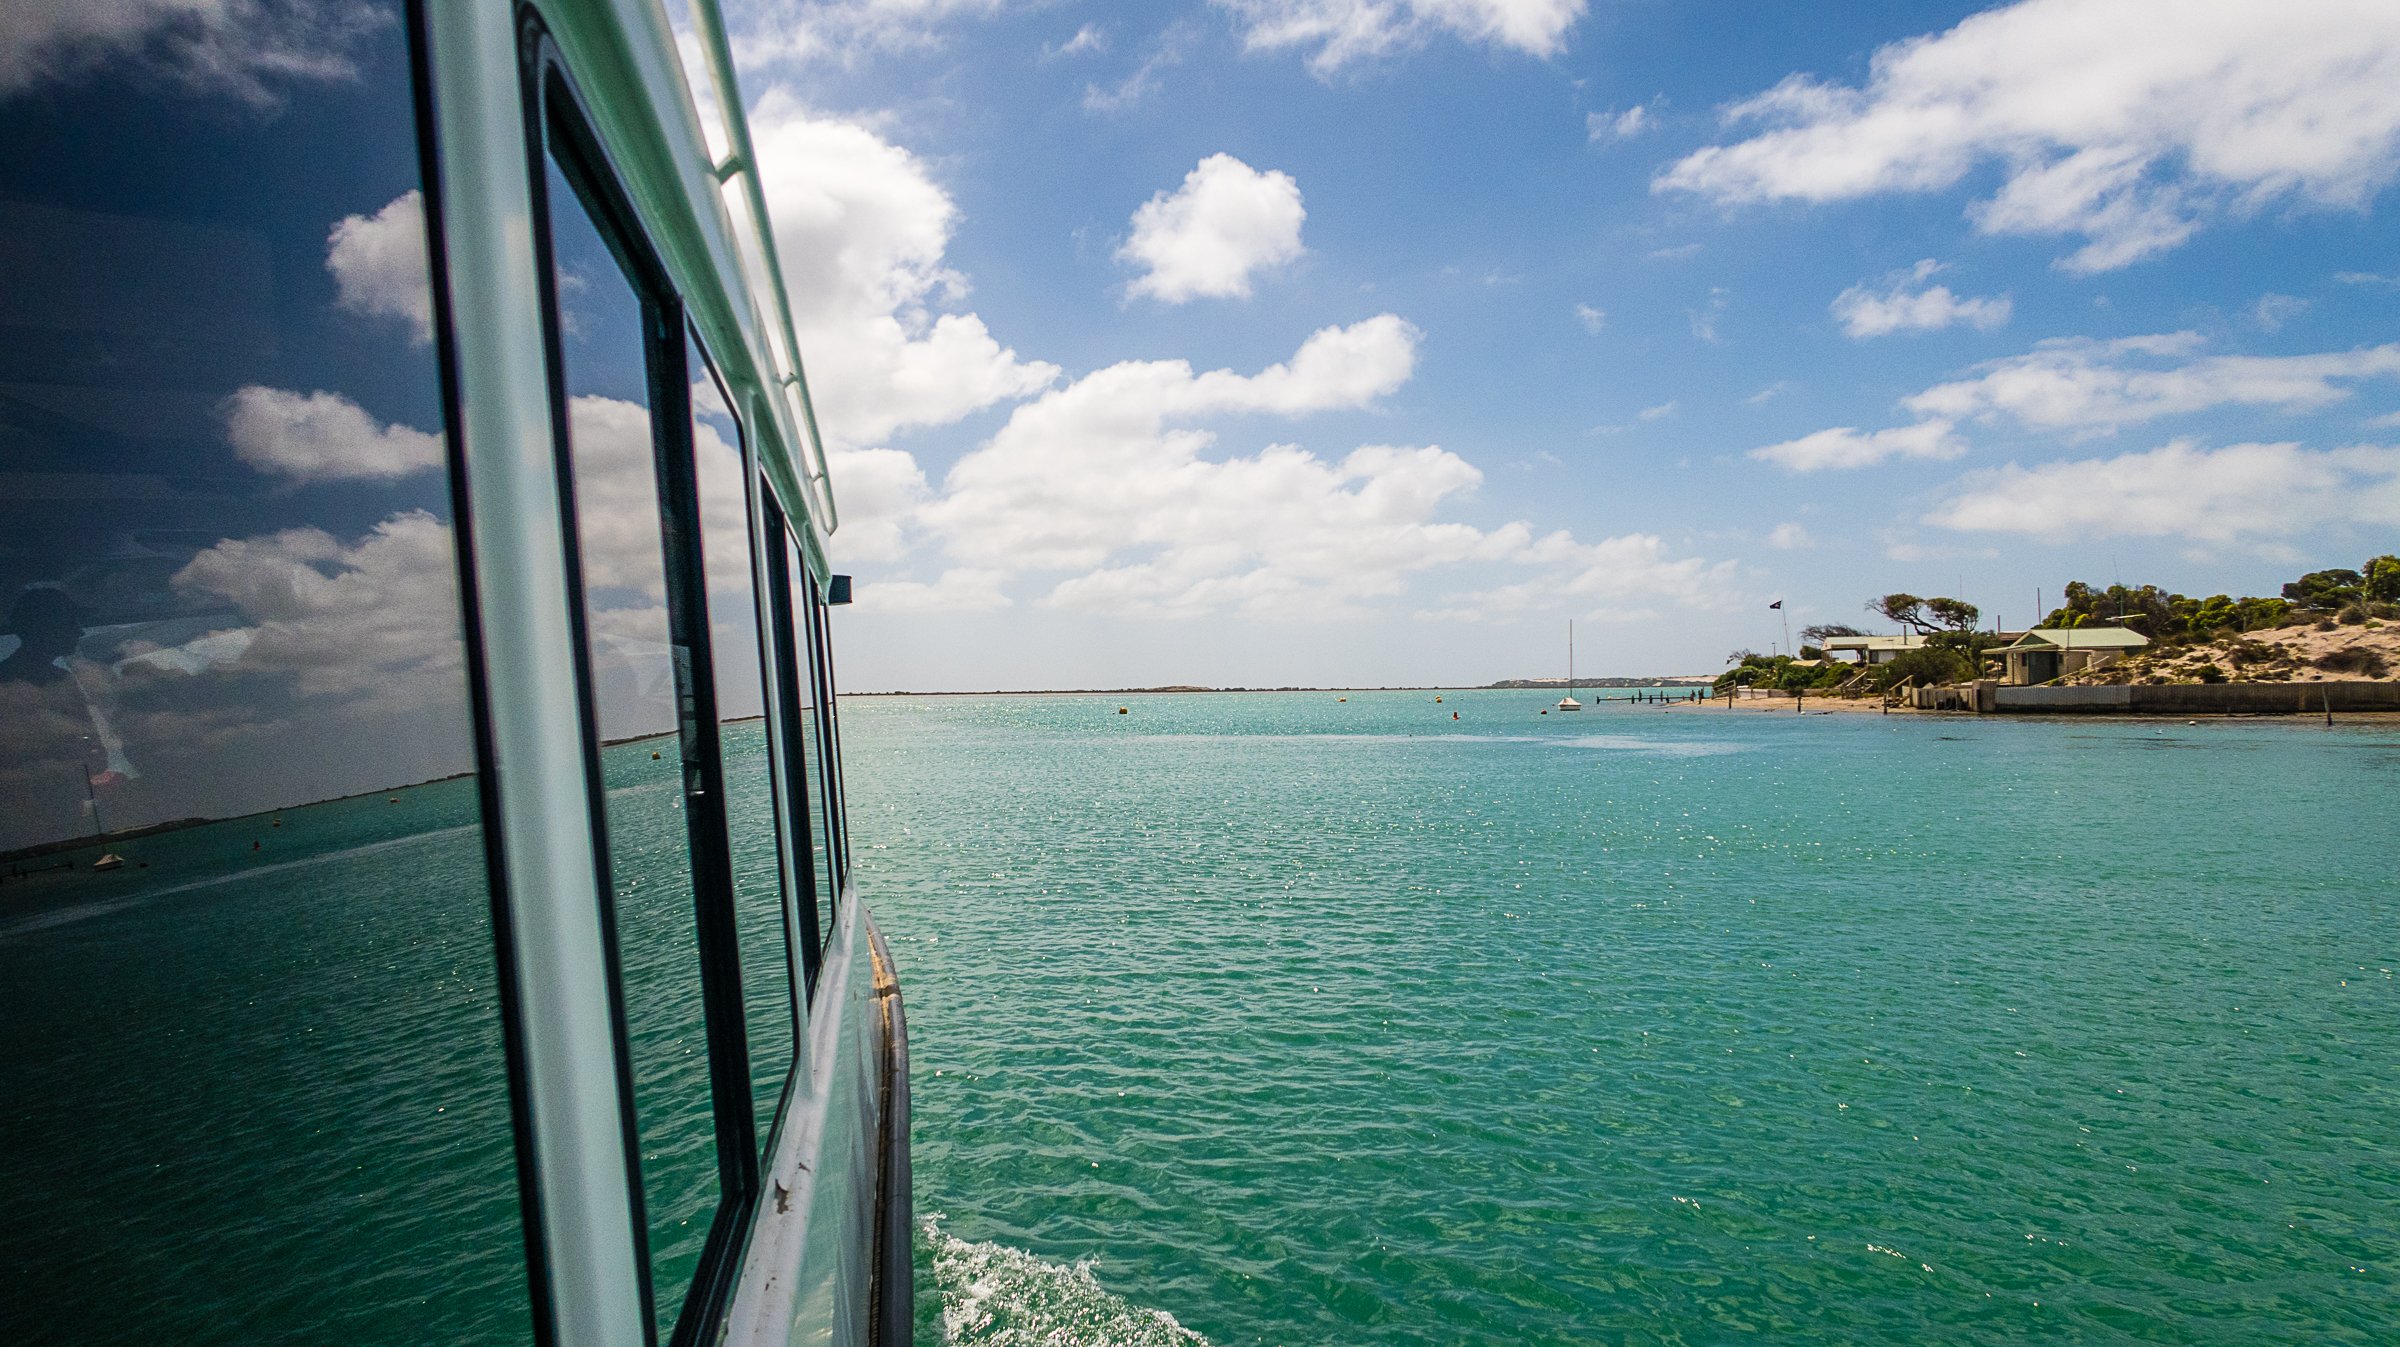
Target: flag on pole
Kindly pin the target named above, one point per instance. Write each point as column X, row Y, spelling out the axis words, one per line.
column 1777, row 604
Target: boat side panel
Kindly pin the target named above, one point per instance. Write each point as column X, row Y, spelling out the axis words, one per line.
column 810, row 1270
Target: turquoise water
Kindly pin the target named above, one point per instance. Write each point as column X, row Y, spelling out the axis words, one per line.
column 255, row 1090
column 255, row 1086
column 1284, row 1019
column 1310, row 1021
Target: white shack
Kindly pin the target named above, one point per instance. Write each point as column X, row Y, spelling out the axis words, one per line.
column 2042, row 655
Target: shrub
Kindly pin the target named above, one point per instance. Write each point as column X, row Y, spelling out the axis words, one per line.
column 2352, row 615
column 2210, row 673
column 2356, row 659
column 2244, row 653
column 1927, row 664
column 2324, row 624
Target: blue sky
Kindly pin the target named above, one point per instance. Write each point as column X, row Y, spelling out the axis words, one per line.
column 1250, row 342
column 1654, row 313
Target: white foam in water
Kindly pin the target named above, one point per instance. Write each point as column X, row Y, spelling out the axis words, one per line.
column 994, row 1294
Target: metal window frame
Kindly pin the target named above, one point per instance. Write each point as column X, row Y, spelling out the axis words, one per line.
column 763, row 552
column 567, row 1080
column 793, row 764
column 830, row 743
column 568, row 1087
column 506, row 951
column 559, row 131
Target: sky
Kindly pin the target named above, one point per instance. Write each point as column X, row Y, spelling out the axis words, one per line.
column 1260, row 342
column 1225, row 342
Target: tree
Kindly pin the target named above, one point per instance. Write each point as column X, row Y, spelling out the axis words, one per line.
column 1905, row 610
column 1927, row 616
column 2324, row 589
column 1822, row 632
column 2380, row 581
column 1954, row 614
column 2144, row 608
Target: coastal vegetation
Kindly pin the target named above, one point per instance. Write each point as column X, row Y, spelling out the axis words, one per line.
column 2355, row 596
column 2325, row 624
column 2334, row 623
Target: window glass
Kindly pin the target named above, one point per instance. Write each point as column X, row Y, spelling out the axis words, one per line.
column 637, row 676
column 252, row 1077
column 829, row 752
column 791, row 664
column 757, row 866
column 812, row 742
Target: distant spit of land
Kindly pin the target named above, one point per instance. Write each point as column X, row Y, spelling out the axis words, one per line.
column 1504, row 685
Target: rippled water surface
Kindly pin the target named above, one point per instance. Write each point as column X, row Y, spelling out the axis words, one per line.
column 1303, row 1020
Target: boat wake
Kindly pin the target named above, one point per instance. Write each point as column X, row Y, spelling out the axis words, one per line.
column 994, row 1294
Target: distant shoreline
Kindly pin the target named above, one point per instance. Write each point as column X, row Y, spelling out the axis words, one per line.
column 1677, row 681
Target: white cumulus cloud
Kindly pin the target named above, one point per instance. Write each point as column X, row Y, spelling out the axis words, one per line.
column 374, row 620
column 2242, row 493
column 322, row 437
column 1210, row 236
column 378, row 264
column 1907, row 304
column 862, row 228
column 1628, row 578
column 2129, row 123
column 2273, row 311
column 1850, row 447
column 1342, row 31
column 880, row 490
column 1614, row 125
column 2081, row 385
column 240, row 48
column 1107, row 496
column 773, row 32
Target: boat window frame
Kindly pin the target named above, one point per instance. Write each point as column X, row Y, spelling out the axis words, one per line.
column 830, row 748
column 541, row 1291
column 559, row 130
column 783, row 589
column 762, row 547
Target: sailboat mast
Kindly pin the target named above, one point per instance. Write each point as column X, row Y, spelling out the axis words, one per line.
column 1570, row 657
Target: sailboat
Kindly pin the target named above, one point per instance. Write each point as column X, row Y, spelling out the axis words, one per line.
column 1568, row 702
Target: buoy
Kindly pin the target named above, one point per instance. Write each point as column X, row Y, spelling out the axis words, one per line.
column 1454, row 715
column 1124, row 711
column 654, row 757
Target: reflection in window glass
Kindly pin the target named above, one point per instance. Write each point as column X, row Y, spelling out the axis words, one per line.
column 250, row 1036
column 812, row 743
column 634, row 668
column 836, row 799
column 759, row 916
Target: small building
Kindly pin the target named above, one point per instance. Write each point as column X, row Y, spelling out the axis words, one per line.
column 2045, row 654
column 1872, row 649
